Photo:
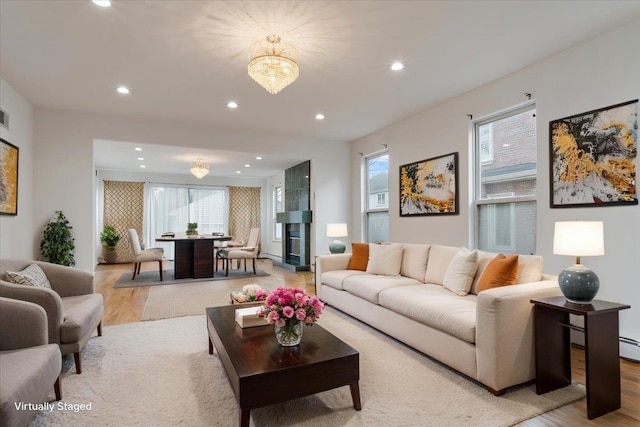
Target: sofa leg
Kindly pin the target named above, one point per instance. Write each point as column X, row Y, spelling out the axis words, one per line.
column 76, row 356
column 100, row 329
column 496, row 392
column 57, row 386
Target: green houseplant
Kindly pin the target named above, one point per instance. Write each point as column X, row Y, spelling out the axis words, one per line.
column 57, row 242
column 109, row 238
column 192, row 229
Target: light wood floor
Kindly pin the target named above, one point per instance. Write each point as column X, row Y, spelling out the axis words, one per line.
column 125, row 305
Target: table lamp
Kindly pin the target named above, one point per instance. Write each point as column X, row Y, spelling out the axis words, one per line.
column 578, row 283
column 337, row 230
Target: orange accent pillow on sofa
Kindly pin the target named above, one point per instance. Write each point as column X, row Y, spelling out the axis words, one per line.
column 359, row 256
column 501, row 271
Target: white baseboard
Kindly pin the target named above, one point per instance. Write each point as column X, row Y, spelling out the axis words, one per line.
column 628, row 349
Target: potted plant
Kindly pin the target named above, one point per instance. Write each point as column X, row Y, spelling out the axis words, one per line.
column 57, row 243
column 192, row 229
column 109, row 238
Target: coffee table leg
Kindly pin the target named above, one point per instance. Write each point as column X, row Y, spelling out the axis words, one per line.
column 210, row 346
column 245, row 415
column 355, row 396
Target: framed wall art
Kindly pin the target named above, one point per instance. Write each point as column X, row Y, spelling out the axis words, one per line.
column 430, row 187
column 592, row 157
column 9, row 178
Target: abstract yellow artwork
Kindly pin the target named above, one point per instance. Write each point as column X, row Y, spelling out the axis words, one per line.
column 9, row 179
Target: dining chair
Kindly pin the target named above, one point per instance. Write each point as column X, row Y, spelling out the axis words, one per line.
column 250, row 251
column 143, row 255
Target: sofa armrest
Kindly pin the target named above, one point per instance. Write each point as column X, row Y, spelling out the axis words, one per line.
column 44, row 297
column 504, row 332
column 22, row 324
column 332, row 262
column 68, row 281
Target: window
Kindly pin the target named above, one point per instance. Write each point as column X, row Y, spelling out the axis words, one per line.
column 376, row 212
column 505, row 181
column 170, row 208
column 277, row 207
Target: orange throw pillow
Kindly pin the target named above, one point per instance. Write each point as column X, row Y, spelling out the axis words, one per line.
column 501, row 271
column 359, row 256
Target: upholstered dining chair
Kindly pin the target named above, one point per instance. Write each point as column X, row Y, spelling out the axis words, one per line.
column 30, row 366
column 143, row 255
column 74, row 309
column 250, row 251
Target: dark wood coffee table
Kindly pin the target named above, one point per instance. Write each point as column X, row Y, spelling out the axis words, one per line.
column 262, row 372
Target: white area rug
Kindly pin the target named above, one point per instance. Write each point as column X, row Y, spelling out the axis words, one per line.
column 160, row 374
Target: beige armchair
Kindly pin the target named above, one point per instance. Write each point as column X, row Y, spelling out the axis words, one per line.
column 250, row 251
column 29, row 365
column 74, row 310
column 143, row 255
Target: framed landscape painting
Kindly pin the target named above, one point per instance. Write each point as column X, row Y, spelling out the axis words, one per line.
column 592, row 157
column 430, row 187
column 8, row 178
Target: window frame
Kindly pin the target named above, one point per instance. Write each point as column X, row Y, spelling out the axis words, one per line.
column 274, row 196
column 366, row 192
column 476, row 167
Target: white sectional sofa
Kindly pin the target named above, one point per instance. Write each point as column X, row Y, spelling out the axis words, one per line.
column 487, row 336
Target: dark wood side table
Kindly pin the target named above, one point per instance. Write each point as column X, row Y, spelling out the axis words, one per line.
column 601, row 346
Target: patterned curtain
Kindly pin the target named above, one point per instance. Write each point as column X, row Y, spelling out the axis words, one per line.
column 244, row 211
column 124, row 209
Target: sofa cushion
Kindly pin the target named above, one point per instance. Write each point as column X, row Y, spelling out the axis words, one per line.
column 530, row 268
column 461, row 272
column 501, row 271
column 80, row 312
column 334, row 278
column 434, row 306
column 359, row 256
column 439, row 258
column 30, row 276
column 414, row 261
column 369, row 286
column 385, row 259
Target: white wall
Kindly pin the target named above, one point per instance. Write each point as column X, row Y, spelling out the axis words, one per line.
column 20, row 239
column 64, row 170
column 596, row 74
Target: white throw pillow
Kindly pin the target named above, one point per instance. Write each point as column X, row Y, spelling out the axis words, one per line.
column 530, row 269
column 461, row 271
column 30, row 276
column 385, row 259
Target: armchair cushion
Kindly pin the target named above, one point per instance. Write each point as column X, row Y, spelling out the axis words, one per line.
column 81, row 313
column 30, row 276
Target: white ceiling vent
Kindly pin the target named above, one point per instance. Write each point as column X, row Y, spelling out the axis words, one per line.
column 4, row 119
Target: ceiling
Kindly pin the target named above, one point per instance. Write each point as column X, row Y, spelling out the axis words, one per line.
column 184, row 60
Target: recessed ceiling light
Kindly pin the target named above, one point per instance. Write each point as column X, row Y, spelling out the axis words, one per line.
column 140, row 158
column 138, row 149
column 238, row 172
column 319, row 116
column 506, row 145
column 232, row 104
column 102, row 3
column 258, row 158
column 397, row 66
column 123, row 90
column 247, row 166
column 142, row 166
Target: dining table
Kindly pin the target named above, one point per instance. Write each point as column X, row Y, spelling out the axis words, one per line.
column 194, row 255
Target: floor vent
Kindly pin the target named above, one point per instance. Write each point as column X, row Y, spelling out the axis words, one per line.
column 4, row 119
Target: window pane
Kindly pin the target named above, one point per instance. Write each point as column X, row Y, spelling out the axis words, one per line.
column 378, row 182
column 507, row 227
column 377, row 227
column 277, row 207
column 206, row 207
column 508, row 153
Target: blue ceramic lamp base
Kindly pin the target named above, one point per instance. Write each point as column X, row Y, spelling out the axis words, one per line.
column 337, row 247
column 579, row 284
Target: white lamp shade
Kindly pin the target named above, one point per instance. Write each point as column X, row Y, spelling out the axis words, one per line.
column 578, row 238
column 337, row 230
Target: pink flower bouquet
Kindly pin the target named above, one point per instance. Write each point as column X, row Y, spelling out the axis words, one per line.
column 288, row 309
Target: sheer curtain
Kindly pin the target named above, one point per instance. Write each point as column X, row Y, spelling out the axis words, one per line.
column 169, row 209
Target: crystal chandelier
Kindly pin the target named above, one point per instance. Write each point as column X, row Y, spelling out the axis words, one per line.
column 272, row 63
column 199, row 168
